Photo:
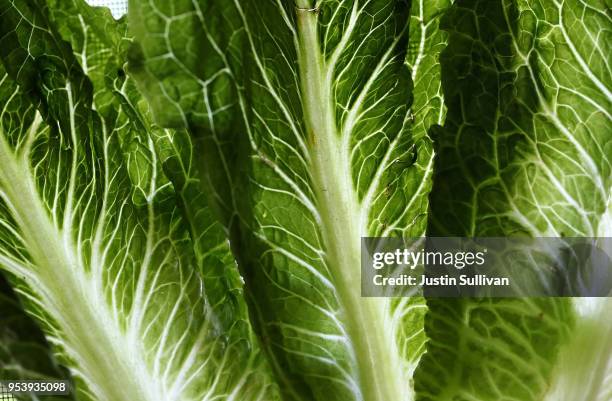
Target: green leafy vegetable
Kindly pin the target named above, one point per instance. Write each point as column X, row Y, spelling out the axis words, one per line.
column 93, row 237
column 302, row 119
column 525, row 150
column 183, row 194
column 527, row 140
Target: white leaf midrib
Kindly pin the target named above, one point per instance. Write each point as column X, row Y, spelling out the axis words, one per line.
column 368, row 320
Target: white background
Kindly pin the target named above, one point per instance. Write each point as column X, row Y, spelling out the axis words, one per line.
column 117, row 7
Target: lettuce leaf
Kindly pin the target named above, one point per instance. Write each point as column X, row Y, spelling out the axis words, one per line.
column 301, row 116
column 524, row 151
column 91, row 233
